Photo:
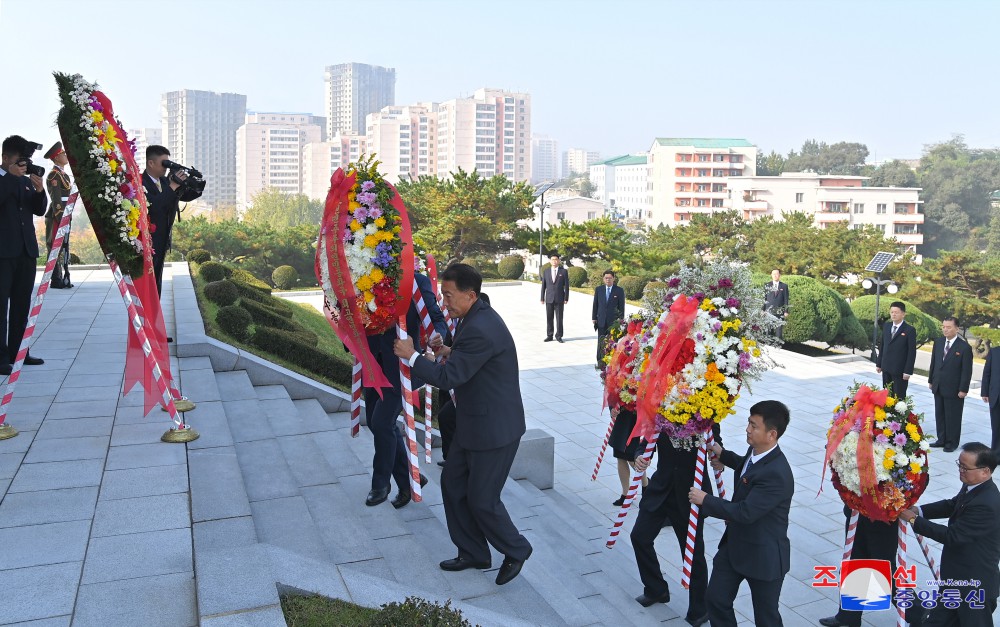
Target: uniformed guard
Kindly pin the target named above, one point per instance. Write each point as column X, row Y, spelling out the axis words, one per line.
column 58, row 185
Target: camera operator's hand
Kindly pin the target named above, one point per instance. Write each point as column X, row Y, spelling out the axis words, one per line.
column 37, row 182
column 177, row 178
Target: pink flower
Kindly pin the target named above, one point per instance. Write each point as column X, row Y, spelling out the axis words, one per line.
column 881, row 439
column 900, row 439
column 894, row 425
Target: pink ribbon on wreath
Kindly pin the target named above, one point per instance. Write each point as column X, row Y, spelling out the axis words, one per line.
column 863, row 409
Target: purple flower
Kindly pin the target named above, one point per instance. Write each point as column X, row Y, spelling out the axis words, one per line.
column 745, row 361
column 894, row 425
column 674, row 282
column 368, row 186
column 725, row 283
column 713, row 287
column 714, row 314
column 900, row 439
column 732, row 302
column 717, row 326
column 365, row 198
column 700, row 337
column 374, row 212
column 881, row 439
column 96, row 104
column 382, row 259
column 699, row 295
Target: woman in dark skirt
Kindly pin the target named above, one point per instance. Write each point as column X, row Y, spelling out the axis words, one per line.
column 624, row 451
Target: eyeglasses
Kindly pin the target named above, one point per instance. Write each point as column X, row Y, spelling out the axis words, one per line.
column 21, row 163
column 962, row 468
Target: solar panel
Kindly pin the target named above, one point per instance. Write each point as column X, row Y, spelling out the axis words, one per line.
column 542, row 188
column 879, row 262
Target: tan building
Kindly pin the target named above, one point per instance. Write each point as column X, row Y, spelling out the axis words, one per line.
column 490, row 133
column 321, row 159
column 402, row 138
column 578, row 161
column 575, row 209
column 144, row 138
column 691, row 175
column 269, row 152
column 895, row 211
column 352, row 91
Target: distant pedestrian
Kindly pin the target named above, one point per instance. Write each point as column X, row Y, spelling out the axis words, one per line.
column 776, row 299
column 609, row 308
column 555, row 295
column 991, row 393
column 949, row 379
column 898, row 351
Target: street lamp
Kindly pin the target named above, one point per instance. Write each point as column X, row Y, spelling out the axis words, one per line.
column 878, row 265
column 540, row 192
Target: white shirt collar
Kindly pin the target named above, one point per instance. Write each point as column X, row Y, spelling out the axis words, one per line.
column 3, row 172
column 757, row 458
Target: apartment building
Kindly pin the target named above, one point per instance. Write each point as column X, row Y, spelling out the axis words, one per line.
column 269, row 152
column 622, row 184
column 544, row 159
column 352, row 91
column 144, row 138
column 578, row 161
column 321, row 159
column 490, row 133
column 402, row 138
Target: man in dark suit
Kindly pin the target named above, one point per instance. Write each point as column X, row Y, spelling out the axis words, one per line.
column 665, row 500
column 21, row 198
column 991, row 393
column 776, row 299
column 609, row 308
column 163, row 204
column 949, row 379
column 970, row 541
column 390, row 458
column 755, row 545
column 58, row 185
column 899, row 351
column 555, row 295
column 481, row 367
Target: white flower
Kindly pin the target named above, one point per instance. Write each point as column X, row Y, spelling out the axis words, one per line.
column 902, row 407
column 901, row 459
column 925, row 445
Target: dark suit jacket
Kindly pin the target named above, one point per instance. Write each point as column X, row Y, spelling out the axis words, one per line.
column 606, row 311
column 674, row 476
column 971, row 539
column 775, row 299
column 162, row 208
column 557, row 292
column 898, row 353
column 19, row 203
column 991, row 377
column 950, row 376
column 482, row 369
column 757, row 517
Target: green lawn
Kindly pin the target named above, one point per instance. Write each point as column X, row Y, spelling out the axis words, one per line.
column 317, row 611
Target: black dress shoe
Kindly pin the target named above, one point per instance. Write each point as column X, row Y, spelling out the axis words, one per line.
column 937, row 444
column 377, row 496
column 441, row 463
column 559, row 339
column 832, row 621
column 697, row 622
column 646, row 601
column 511, row 568
column 548, row 339
column 949, row 449
column 405, row 496
column 463, row 563
column 170, row 340
column 620, row 501
column 33, row 361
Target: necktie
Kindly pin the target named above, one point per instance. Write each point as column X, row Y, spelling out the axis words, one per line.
column 894, row 329
column 947, row 347
column 156, row 182
column 607, row 294
column 749, row 466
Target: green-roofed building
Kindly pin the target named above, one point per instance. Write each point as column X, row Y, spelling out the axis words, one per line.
column 621, row 184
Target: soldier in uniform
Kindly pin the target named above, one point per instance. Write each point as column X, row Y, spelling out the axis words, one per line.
column 58, row 185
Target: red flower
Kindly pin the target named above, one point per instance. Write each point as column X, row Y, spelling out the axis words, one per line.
column 385, row 295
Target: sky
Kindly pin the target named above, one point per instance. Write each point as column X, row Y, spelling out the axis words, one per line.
column 608, row 75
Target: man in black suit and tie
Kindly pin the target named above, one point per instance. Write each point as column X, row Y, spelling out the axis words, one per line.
column 991, row 393
column 21, row 198
column 163, row 200
column 970, row 541
column 755, row 545
column 949, row 379
column 609, row 308
column 555, row 295
column 899, row 351
column 481, row 367
column 776, row 299
column 665, row 501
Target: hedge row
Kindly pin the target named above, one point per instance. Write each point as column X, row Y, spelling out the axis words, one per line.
column 290, row 347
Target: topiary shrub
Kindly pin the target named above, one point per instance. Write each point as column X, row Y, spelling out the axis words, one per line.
column 234, row 321
column 199, row 255
column 268, row 316
column 633, row 286
column 545, row 268
column 415, row 612
column 595, row 274
column 290, row 347
column 242, row 277
column 813, row 311
column 73, row 259
column 285, row 277
column 212, row 271
column 851, row 332
column 653, row 294
column 577, row 276
column 511, row 267
column 221, row 292
column 863, row 307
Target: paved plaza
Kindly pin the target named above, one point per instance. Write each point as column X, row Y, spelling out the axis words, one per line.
column 101, row 524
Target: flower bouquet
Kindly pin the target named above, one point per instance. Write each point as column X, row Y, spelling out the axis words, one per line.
column 877, row 453
column 625, row 349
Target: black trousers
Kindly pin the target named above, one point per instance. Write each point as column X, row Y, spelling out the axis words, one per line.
column 554, row 310
column 948, row 418
column 777, row 312
column 899, row 384
column 875, row 540
column 725, row 585
column 446, row 421
column 995, row 423
column 17, row 278
column 470, row 487
column 390, row 448
column 60, row 274
column 964, row 616
column 158, row 259
column 647, row 526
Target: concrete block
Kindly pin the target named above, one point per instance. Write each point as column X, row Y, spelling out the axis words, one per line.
column 48, row 506
column 80, row 427
column 61, row 450
column 217, row 488
column 535, row 459
column 138, row 482
column 271, row 616
column 231, row 580
column 146, row 513
column 228, row 533
column 146, row 455
column 96, row 393
column 336, row 447
column 209, row 419
column 265, row 473
column 246, row 421
column 9, row 463
column 200, row 385
column 39, row 592
column 57, row 475
column 161, row 601
column 138, row 555
column 305, row 461
column 282, row 416
column 286, row 522
column 145, row 432
column 38, row 545
column 191, row 364
column 235, row 386
column 83, row 409
column 344, row 534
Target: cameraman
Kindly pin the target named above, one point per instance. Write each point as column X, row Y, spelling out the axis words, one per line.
column 21, row 198
column 162, row 196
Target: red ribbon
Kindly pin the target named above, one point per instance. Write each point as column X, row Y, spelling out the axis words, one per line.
column 862, row 412
column 432, row 273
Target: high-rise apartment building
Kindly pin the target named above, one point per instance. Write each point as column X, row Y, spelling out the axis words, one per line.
column 199, row 130
column 145, row 137
column 578, row 161
column 321, row 159
column 269, row 152
column 353, row 90
column 402, row 138
column 544, row 159
column 690, row 175
column 490, row 133
column 622, row 184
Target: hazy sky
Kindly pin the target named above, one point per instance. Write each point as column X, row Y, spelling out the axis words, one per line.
column 607, row 76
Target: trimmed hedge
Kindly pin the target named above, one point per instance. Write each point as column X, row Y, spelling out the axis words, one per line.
column 234, row 321
column 927, row 326
column 268, row 316
column 221, row 292
column 73, row 259
column 199, row 255
column 289, row 346
column 241, row 276
column 511, row 267
column 211, row 271
column 595, row 274
column 285, row 277
column 577, row 276
column 416, row 612
column 633, row 286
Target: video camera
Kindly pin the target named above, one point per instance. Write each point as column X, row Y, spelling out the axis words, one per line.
column 27, row 151
column 191, row 187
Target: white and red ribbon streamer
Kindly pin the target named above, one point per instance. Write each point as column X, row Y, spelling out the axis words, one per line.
column 406, row 386
column 901, row 565
column 604, row 446
column 356, row 398
column 633, row 489
column 692, row 533
column 852, row 529
column 922, row 541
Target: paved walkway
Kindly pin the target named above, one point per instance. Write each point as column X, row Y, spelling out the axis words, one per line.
column 95, row 520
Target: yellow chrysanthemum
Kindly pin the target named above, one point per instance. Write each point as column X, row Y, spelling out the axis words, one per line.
column 114, row 166
column 376, row 275
column 915, row 468
column 380, row 222
column 890, row 401
column 369, row 297
column 352, row 205
column 97, row 117
column 888, row 463
column 395, row 229
column 707, row 305
column 365, row 283
column 880, row 414
column 354, row 225
column 371, row 241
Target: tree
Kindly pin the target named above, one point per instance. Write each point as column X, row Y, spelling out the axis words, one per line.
column 819, row 157
column 893, row 174
column 590, row 241
column 772, row 164
column 965, row 284
column 275, row 208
